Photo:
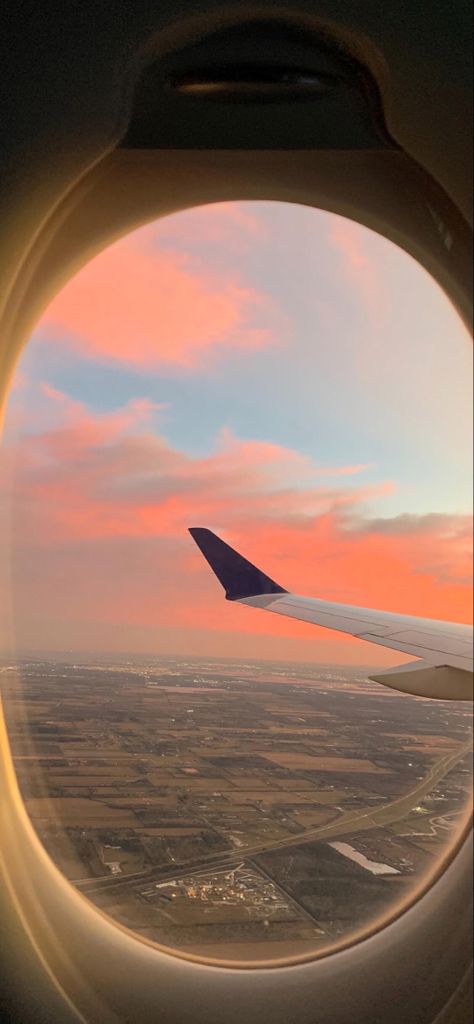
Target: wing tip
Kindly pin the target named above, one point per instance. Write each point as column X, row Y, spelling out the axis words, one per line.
column 239, row 577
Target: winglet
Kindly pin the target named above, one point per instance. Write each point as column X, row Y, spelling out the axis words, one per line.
column 239, row 577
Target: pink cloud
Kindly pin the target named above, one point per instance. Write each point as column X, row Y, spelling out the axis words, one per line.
column 99, row 533
column 360, row 269
column 147, row 307
column 214, row 224
column 279, row 460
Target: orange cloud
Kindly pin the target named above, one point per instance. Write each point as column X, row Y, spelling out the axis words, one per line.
column 99, row 535
column 144, row 306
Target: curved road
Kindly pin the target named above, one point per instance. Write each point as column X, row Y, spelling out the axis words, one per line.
column 383, row 814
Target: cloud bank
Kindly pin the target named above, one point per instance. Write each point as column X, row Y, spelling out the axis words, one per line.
column 98, row 530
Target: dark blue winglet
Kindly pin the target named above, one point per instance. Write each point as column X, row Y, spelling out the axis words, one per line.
column 239, row 577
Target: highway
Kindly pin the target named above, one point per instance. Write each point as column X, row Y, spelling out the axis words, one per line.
column 383, row 814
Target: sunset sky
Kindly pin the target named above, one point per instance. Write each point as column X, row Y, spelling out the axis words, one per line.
column 278, row 374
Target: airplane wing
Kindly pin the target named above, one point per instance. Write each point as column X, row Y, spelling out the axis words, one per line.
column 445, row 671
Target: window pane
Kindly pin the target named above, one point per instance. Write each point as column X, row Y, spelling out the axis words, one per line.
column 225, row 782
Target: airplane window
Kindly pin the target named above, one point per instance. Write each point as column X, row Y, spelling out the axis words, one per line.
column 224, row 782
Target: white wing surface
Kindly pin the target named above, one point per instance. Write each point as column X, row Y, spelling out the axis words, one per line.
column 445, row 649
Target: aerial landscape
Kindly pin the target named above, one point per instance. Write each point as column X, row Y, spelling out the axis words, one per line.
column 240, row 811
column 222, row 781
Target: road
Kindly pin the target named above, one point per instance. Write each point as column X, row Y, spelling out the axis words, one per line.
column 383, row 814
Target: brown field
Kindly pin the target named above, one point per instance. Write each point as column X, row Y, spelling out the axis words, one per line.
column 200, row 750
column 143, row 801
column 46, row 751
column 189, row 689
column 169, row 830
column 308, row 817
column 38, row 709
column 65, row 856
column 119, row 772
column 249, row 782
column 79, row 780
column 428, row 748
column 78, row 811
column 273, row 797
column 437, row 741
column 276, row 708
column 193, row 782
column 179, row 734
column 295, row 730
column 230, row 750
column 185, row 913
column 425, row 845
column 313, row 763
column 96, row 754
column 85, row 750
column 106, row 791
column 291, row 784
column 160, row 778
column 171, row 760
column 328, row 796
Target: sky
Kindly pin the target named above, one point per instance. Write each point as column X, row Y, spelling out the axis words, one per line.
column 274, row 372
